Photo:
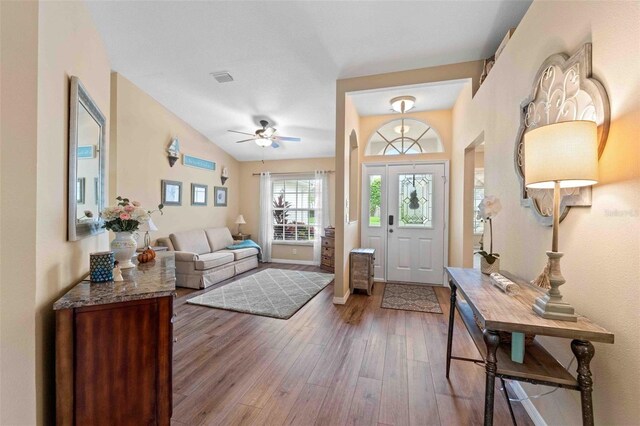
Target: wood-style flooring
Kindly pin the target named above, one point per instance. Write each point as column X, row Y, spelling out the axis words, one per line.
column 355, row 364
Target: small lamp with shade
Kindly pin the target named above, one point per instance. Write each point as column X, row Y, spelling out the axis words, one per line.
column 560, row 155
column 240, row 221
column 146, row 227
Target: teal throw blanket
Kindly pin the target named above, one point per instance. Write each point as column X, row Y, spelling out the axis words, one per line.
column 246, row 244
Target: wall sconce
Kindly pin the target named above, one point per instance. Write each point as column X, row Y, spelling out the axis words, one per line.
column 173, row 151
column 224, row 175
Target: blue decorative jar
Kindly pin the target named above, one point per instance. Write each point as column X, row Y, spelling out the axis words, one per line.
column 101, row 266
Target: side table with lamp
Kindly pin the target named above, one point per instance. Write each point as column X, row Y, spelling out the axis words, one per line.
column 146, row 227
column 240, row 236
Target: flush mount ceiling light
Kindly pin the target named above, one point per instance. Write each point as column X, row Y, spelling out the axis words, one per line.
column 263, row 142
column 402, row 104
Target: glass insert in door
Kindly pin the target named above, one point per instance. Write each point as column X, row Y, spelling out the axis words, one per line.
column 415, row 200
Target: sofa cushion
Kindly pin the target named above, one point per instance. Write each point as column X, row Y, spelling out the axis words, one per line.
column 218, row 238
column 241, row 253
column 194, row 241
column 212, row 260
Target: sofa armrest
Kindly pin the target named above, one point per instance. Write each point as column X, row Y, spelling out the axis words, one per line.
column 165, row 242
column 185, row 256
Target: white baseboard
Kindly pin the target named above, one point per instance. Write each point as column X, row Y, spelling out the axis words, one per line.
column 293, row 261
column 531, row 409
column 341, row 300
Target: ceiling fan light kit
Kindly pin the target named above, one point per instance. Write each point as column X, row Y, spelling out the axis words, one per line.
column 402, row 104
column 266, row 137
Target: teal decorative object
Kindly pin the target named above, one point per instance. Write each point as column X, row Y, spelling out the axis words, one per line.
column 199, row 163
column 101, row 266
column 517, row 347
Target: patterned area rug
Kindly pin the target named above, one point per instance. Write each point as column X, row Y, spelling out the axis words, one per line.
column 277, row 293
column 408, row 297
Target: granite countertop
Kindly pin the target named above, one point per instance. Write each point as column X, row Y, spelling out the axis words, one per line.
column 145, row 281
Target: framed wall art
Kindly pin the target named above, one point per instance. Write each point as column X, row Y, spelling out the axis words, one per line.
column 199, row 194
column 220, row 196
column 171, row 193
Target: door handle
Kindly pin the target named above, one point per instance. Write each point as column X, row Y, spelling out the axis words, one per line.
column 390, row 220
column 391, row 231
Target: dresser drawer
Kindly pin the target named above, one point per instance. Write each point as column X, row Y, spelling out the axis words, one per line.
column 328, row 251
column 328, row 242
column 327, row 261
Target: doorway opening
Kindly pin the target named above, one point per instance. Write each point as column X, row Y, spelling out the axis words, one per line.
column 473, row 193
column 404, row 211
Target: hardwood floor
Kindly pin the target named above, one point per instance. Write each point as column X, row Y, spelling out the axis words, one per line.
column 355, row 364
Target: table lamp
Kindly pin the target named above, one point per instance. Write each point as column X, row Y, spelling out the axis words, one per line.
column 560, row 155
column 147, row 226
column 240, row 221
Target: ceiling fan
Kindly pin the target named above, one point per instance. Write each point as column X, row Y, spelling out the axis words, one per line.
column 266, row 136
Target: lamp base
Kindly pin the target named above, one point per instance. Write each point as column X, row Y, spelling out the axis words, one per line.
column 551, row 305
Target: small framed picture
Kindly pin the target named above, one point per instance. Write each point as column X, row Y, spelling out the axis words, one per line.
column 220, row 196
column 198, row 194
column 171, row 193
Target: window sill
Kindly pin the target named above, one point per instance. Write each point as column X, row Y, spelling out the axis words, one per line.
column 293, row 243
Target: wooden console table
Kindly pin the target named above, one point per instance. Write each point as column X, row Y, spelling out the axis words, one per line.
column 497, row 311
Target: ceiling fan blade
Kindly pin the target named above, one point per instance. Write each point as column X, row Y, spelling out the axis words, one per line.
column 287, row 139
column 246, row 140
column 242, row 133
column 275, row 144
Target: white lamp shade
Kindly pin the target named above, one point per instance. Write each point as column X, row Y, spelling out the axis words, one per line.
column 263, row 142
column 148, row 226
column 240, row 220
column 564, row 152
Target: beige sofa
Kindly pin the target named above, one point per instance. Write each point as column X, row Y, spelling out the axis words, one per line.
column 202, row 258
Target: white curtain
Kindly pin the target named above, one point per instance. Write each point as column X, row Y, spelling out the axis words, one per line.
column 321, row 212
column 265, row 235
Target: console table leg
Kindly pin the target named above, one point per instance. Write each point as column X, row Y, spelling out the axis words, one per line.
column 584, row 351
column 452, row 311
column 492, row 340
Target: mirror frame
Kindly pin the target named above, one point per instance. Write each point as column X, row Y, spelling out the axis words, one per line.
column 79, row 97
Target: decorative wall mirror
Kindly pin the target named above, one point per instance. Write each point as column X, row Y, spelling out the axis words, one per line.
column 564, row 90
column 86, row 164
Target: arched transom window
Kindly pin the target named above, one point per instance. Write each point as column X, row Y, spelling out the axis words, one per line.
column 404, row 136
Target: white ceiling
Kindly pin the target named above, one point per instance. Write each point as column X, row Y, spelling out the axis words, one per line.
column 285, row 57
column 429, row 97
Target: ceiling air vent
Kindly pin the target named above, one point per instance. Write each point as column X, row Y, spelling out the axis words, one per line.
column 222, row 77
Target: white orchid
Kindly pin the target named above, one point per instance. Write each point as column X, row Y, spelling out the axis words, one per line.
column 489, row 207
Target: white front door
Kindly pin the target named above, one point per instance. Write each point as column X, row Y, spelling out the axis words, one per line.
column 403, row 219
column 415, row 220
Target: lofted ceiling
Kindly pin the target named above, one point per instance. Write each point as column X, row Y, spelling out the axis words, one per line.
column 285, row 57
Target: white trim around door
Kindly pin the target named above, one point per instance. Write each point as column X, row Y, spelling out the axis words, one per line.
column 375, row 228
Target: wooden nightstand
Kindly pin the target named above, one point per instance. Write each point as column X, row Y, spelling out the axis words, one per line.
column 241, row 237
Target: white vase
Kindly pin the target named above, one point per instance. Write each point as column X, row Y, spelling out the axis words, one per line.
column 489, row 268
column 124, row 247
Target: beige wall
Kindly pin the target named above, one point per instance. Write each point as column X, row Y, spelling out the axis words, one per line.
column 250, row 199
column 601, row 243
column 56, row 40
column 18, row 197
column 141, row 133
column 347, row 234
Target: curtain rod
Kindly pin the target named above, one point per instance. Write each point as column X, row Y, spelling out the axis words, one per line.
column 295, row 173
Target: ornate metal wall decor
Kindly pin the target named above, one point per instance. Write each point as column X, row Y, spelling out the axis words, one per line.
column 564, row 90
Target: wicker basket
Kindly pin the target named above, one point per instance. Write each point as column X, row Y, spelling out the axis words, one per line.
column 489, row 268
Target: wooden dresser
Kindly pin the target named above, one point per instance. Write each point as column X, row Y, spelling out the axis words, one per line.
column 361, row 269
column 327, row 261
column 114, row 345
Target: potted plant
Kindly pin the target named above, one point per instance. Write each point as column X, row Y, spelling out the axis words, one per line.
column 124, row 219
column 488, row 208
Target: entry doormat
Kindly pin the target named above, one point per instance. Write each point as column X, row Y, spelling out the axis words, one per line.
column 411, row 297
column 277, row 293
